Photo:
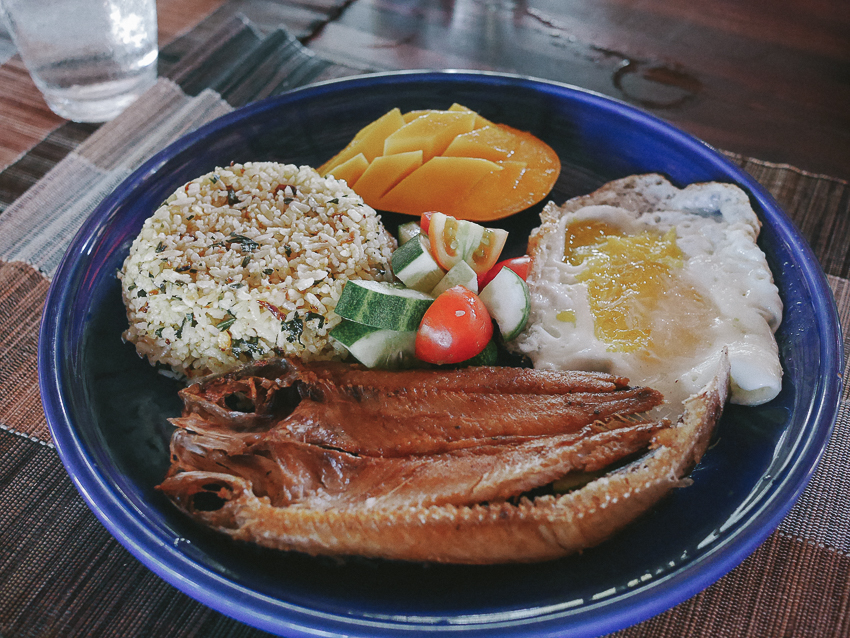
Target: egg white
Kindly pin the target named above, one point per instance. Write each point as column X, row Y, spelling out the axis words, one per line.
column 716, row 231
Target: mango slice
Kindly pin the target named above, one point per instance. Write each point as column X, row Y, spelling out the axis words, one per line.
column 436, row 185
column 351, row 169
column 385, row 172
column 431, row 132
column 454, row 161
column 490, row 142
column 529, row 175
column 480, row 122
column 369, row 141
column 479, row 201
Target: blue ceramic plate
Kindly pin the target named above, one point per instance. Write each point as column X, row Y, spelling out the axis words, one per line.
column 107, row 409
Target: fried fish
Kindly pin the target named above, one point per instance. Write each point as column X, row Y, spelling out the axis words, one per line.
column 441, row 466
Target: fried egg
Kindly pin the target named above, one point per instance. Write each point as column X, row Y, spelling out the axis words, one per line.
column 651, row 282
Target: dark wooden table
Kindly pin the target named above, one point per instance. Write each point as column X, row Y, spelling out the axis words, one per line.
column 764, row 78
column 769, row 79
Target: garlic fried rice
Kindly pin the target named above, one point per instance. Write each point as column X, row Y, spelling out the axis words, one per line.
column 248, row 262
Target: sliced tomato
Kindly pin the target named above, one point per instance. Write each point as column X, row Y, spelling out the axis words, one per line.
column 520, row 265
column 454, row 240
column 425, row 221
column 446, row 238
column 485, row 255
column 456, row 327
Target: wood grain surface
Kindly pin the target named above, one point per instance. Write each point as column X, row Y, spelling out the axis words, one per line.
column 768, row 79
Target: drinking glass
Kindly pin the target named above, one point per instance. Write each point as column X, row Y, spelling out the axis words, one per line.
column 89, row 58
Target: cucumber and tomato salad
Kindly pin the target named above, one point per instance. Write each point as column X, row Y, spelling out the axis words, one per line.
column 437, row 314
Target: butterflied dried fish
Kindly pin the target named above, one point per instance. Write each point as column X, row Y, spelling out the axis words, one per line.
column 426, row 465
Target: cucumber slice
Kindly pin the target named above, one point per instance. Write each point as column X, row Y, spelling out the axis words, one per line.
column 408, row 231
column 377, row 347
column 382, row 305
column 508, row 302
column 489, row 356
column 462, row 274
column 415, row 266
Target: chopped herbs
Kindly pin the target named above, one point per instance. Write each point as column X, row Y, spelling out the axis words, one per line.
column 214, row 178
column 250, row 346
column 288, row 250
column 317, row 316
column 246, row 260
column 141, row 293
column 159, row 330
column 295, row 328
column 245, row 244
column 160, row 247
column 191, row 319
column 228, row 321
column 268, row 271
column 232, row 200
column 335, row 200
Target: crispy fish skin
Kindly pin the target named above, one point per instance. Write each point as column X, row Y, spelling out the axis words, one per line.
column 397, row 414
column 527, row 530
column 308, row 475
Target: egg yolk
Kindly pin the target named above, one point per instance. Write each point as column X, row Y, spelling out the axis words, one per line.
column 637, row 297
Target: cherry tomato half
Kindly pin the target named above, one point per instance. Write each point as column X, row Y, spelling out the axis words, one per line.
column 455, row 328
column 520, row 265
column 425, row 221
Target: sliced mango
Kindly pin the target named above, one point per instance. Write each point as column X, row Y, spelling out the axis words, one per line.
column 487, row 195
column 369, row 141
column 412, row 115
column 385, row 172
column 437, row 184
column 480, row 122
column 431, row 132
column 351, row 169
column 452, row 161
column 543, row 170
column 488, row 142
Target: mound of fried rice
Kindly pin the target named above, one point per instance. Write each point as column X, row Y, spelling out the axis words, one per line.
column 248, row 262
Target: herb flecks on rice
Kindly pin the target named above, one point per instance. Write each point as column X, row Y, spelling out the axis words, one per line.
column 248, row 262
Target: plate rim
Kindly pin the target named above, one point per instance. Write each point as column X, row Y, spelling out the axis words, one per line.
column 121, row 520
